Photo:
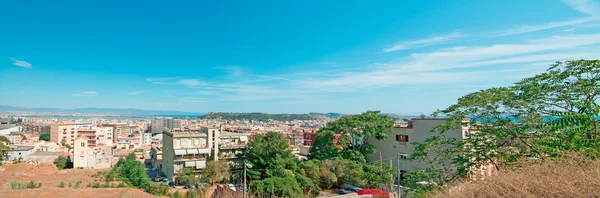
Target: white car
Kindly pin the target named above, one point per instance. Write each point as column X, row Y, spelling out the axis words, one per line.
column 232, row 187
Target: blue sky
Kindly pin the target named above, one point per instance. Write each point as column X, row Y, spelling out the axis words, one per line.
column 402, row 57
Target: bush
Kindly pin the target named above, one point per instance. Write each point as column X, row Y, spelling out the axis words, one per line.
column 77, row 184
column 61, row 162
column 23, row 185
column 121, row 185
column 45, row 137
column 62, row 184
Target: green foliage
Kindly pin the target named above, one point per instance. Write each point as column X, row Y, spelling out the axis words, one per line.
column 308, row 186
column 216, row 171
column 16, row 185
column 176, row 195
column 270, row 152
column 61, row 162
column 353, row 133
column 187, row 177
column 77, row 184
column 61, row 184
column 4, row 140
column 538, row 118
column 45, row 137
column 258, row 116
column 276, row 186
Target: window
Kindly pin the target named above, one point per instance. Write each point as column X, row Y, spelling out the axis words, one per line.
column 402, row 138
column 83, row 144
column 403, row 156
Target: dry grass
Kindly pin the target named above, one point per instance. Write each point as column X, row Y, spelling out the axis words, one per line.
column 573, row 176
column 50, row 177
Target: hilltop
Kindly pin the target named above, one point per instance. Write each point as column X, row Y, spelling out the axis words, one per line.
column 260, row 116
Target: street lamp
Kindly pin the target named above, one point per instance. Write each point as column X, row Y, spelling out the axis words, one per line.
column 249, row 166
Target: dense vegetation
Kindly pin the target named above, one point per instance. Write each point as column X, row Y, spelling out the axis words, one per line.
column 61, row 162
column 258, row 116
column 45, row 137
column 535, row 120
column 276, row 172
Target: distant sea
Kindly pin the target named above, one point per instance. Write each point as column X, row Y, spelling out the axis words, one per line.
column 115, row 117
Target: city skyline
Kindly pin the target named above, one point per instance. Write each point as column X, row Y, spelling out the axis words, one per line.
column 300, row 57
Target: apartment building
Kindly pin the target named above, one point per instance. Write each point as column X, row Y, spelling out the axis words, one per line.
column 105, row 136
column 86, row 156
column 399, row 142
column 184, row 149
column 62, row 130
column 160, row 124
column 230, row 145
column 66, row 131
column 147, row 138
column 90, row 134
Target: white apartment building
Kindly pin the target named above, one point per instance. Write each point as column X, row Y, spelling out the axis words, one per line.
column 147, row 138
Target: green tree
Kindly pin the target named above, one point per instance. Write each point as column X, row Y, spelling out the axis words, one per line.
column 216, row 171
column 352, row 134
column 537, row 118
column 187, row 176
column 134, row 171
column 270, row 152
column 61, row 162
column 4, row 142
column 276, row 187
column 45, row 137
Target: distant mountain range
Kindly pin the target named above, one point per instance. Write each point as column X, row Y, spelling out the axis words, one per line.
column 113, row 111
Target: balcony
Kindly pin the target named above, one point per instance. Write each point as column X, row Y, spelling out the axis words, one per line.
column 232, row 146
column 190, row 158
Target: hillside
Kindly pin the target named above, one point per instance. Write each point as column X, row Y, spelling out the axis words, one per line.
column 572, row 177
column 51, row 177
column 259, row 116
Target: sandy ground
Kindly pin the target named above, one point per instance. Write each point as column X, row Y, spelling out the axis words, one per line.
column 50, row 177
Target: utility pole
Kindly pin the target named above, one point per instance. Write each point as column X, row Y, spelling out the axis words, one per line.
column 399, row 196
column 244, row 176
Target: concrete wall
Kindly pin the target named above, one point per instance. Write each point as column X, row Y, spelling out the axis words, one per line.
column 420, row 131
column 168, row 155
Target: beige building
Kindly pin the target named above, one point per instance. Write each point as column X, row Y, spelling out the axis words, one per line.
column 105, row 136
column 81, row 151
column 62, row 130
column 184, row 149
column 193, row 149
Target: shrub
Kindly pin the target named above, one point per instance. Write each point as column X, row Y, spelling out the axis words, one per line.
column 77, row 184
column 121, row 185
column 61, row 162
column 23, row 185
column 62, row 184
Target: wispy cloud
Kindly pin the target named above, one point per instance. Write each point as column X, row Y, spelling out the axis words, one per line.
column 190, row 82
column 134, row 93
column 86, row 93
column 21, row 63
column 588, row 7
column 233, row 71
column 423, row 42
column 439, row 66
column 161, row 80
column 528, row 29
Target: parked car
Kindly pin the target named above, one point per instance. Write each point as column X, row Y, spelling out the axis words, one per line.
column 189, row 186
column 349, row 189
column 165, row 182
column 232, row 187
